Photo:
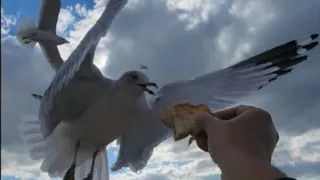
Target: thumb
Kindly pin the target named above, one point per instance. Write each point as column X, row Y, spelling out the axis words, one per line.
column 207, row 123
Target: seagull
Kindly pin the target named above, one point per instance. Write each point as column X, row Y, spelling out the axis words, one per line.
column 82, row 105
column 143, row 66
column 28, row 34
column 219, row 89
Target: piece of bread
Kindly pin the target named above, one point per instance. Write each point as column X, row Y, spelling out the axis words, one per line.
column 181, row 118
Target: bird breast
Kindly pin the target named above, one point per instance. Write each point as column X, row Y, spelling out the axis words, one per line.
column 106, row 120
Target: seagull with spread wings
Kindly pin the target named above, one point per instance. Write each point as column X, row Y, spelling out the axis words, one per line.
column 28, row 34
column 218, row 90
column 83, row 110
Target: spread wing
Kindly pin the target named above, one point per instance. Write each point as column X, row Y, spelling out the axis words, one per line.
column 52, row 53
column 48, row 15
column 222, row 88
column 217, row 89
column 78, row 66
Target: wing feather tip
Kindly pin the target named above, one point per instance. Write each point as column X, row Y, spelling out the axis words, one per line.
column 310, row 46
column 314, row 36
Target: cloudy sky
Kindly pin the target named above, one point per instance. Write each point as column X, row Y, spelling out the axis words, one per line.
column 176, row 39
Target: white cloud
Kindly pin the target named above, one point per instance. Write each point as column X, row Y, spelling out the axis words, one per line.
column 19, row 165
column 65, row 20
column 183, row 38
column 7, row 21
column 256, row 14
column 81, row 10
column 194, row 12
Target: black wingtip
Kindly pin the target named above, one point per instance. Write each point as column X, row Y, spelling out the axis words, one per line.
column 288, row 62
column 311, row 45
column 278, row 73
column 314, row 36
column 283, row 72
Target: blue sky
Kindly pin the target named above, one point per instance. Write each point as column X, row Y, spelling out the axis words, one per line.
column 31, row 7
column 22, row 8
column 184, row 39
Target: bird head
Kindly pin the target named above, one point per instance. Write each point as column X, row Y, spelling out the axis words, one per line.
column 136, row 82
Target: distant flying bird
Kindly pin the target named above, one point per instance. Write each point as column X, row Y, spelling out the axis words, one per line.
column 143, row 66
column 28, row 34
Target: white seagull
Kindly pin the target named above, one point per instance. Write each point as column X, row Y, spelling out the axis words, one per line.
column 82, row 109
column 28, row 34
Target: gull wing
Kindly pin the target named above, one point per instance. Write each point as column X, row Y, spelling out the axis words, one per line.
column 77, row 66
column 48, row 14
column 52, row 53
column 222, row 88
column 218, row 89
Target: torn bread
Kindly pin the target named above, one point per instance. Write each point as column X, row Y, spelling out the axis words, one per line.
column 181, row 118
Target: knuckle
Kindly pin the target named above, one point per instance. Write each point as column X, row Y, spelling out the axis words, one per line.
column 277, row 137
column 266, row 115
column 244, row 106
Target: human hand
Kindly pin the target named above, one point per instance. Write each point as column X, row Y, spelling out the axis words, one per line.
column 238, row 136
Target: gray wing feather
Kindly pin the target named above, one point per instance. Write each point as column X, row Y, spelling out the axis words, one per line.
column 65, row 82
column 72, row 101
column 218, row 89
column 222, row 88
column 48, row 15
column 52, row 53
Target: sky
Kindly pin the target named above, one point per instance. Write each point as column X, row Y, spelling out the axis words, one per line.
column 176, row 40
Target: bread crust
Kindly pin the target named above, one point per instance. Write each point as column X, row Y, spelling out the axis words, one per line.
column 181, row 118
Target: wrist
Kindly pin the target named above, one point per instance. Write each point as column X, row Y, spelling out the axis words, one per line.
column 247, row 167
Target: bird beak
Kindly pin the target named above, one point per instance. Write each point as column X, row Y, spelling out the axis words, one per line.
column 37, row 97
column 66, row 41
column 144, row 87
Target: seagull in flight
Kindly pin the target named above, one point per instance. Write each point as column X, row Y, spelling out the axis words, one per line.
column 90, row 96
column 143, row 66
column 28, row 34
column 82, row 111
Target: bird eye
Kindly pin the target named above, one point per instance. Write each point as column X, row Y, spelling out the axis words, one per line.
column 134, row 77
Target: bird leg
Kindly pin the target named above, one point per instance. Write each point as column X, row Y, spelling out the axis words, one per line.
column 90, row 175
column 70, row 173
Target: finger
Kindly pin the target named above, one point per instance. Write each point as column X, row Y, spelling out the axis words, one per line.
column 207, row 122
column 230, row 113
column 202, row 141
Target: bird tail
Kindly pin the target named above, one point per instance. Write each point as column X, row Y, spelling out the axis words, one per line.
column 26, row 28
column 30, row 133
column 57, row 151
